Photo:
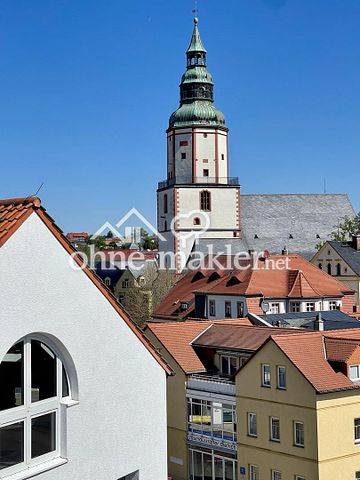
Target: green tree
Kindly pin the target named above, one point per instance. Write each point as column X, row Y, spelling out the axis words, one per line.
column 347, row 228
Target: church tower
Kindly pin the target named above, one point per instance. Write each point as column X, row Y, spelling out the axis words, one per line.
column 198, row 201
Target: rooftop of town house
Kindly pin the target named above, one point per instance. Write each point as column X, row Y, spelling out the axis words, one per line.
column 313, row 354
column 14, row 212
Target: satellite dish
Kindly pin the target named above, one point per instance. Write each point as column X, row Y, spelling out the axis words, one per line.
column 265, row 306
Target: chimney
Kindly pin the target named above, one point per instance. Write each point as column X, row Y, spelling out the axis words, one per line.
column 356, row 242
column 319, row 323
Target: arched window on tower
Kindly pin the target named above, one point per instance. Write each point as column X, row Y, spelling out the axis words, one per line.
column 338, row 269
column 35, row 384
column 329, row 270
column 320, row 266
column 205, row 201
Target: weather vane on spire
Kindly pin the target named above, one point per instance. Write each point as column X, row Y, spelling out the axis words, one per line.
column 195, row 11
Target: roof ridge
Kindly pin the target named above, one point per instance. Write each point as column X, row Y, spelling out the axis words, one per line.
column 35, row 201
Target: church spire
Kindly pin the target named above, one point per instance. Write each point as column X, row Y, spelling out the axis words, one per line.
column 196, row 45
column 196, row 89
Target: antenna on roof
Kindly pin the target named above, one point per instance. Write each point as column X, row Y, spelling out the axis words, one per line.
column 37, row 191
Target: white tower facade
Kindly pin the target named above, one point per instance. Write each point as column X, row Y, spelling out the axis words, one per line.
column 198, row 199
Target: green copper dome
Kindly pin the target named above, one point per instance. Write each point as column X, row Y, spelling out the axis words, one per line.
column 196, row 90
column 197, row 113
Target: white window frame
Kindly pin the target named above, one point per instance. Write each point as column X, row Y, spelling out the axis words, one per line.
column 272, row 438
column 309, row 305
column 299, row 477
column 30, row 410
column 276, row 475
column 263, row 383
column 357, row 378
column 254, row 472
column 228, row 359
column 280, row 387
column 251, row 415
column 275, row 307
column 295, row 424
column 333, row 305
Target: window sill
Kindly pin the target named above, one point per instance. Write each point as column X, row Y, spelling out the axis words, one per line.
column 275, row 440
column 36, row 469
column 266, row 386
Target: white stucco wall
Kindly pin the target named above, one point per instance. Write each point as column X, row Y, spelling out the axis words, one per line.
column 119, row 425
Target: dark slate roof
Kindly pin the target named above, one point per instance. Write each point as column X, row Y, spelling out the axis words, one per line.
column 349, row 254
column 221, row 245
column 274, row 219
column 333, row 320
column 109, row 271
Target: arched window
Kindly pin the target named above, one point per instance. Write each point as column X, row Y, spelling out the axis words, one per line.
column 34, row 386
column 196, row 221
column 205, row 201
column 329, row 268
column 320, row 266
column 338, row 269
column 108, row 281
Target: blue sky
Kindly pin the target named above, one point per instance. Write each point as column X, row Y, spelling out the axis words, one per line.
column 87, row 87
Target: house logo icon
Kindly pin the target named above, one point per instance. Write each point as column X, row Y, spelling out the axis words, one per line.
column 133, row 212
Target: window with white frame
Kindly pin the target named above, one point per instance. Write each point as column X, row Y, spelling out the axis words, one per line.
column 212, row 308
column 276, row 475
column 357, row 475
column 299, row 477
column 357, row 430
column 332, row 305
column 295, row 307
column 274, row 307
column 253, row 472
column 252, row 424
column 310, row 307
column 265, row 375
column 228, row 364
column 298, row 434
column 34, row 385
column 281, row 377
column 274, row 429
column 354, row 372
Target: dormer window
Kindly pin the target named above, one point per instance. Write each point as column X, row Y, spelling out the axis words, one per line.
column 354, row 373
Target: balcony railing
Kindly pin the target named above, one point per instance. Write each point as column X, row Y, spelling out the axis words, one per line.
column 188, row 180
column 211, row 383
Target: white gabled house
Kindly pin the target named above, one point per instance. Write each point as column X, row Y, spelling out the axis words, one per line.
column 82, row 392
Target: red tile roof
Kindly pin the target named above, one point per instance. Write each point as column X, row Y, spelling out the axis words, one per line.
column 14, row 212
column 300, row 279
column 176, row 337
column 308, row 353
column 183, row 292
